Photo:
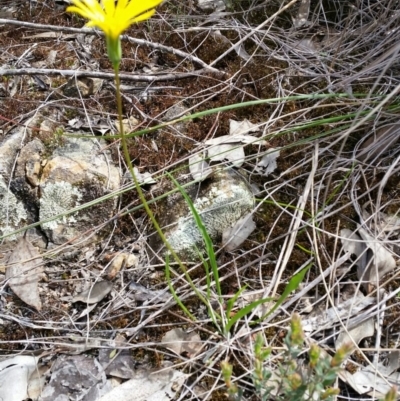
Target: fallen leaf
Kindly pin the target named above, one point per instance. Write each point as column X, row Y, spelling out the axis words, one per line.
column 367, row 381
column 24, row 268
column 343, row 310
column 382, row 261
column 267, row 164
column 382, row 140
column 363, row 330
column 353, row 244
column 237, row 138
column 148, row 386
column 14, row 377
column 95, row 293
column 37, row 381
column 198, row 167
column 381, row 222
column 180, row 342
column 144, row 178
column 234, row 236
column 356, row 334
column 233, row 153
column 242, row 127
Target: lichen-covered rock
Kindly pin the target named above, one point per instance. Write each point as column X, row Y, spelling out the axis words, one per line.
column 13, row 215
column 8, row 151
column 12, row 211
column 221, row 200
column 29, row 162
column 43, row 179
column 77, row 172
column 57, row 199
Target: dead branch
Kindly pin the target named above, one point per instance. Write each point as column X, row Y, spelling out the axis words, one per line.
column 103, row 75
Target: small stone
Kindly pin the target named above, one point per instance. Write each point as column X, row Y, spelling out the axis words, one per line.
column 33, row 173
column 82, row 87
column 120, row 261
column 221, row 200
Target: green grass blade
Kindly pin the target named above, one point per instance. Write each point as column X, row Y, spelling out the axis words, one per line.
column 205, row 235
column 231, row 302
column 293, row 284
column 243, row 312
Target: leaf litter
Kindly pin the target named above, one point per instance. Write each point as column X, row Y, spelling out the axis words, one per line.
column 225, row 148
column 181, row 342
column 371, row 267
column 15, row 374
column 97, row 292
column 283, row 192
column 23, row 272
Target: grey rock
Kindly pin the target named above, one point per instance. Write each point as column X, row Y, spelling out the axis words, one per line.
column 221, row 200
column 8, row 151
column 79, row 171
column 74, row 378
column 13, row 215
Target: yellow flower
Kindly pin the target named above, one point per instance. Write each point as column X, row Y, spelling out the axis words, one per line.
column 113, row 18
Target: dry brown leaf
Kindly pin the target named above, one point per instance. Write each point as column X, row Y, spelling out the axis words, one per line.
column 95, row 293
column 179, row 341
column 234, row 236
column 378, row 143
column 382, row 263
column 24, row 268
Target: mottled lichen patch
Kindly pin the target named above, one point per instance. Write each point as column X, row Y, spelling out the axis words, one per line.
column 12, row 211
column 220, row 205
column 77, row 172
column 57, row 198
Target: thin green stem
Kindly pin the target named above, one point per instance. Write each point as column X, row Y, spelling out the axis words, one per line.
column 132, row 172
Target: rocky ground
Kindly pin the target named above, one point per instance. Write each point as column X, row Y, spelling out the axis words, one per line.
column 280, row 120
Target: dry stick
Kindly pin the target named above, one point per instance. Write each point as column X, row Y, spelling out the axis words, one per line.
column 102, row 75
column 141, row 42
column 234, row 46
column 294, row 226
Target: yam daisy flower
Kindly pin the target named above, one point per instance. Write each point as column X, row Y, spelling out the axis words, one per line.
column 113, row 18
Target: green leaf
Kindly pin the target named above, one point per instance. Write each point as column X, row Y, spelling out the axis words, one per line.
column 243, row 312
column 231, row 302
column 293, row 284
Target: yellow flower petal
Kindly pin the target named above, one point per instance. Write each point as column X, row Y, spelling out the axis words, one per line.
column 114, row 18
